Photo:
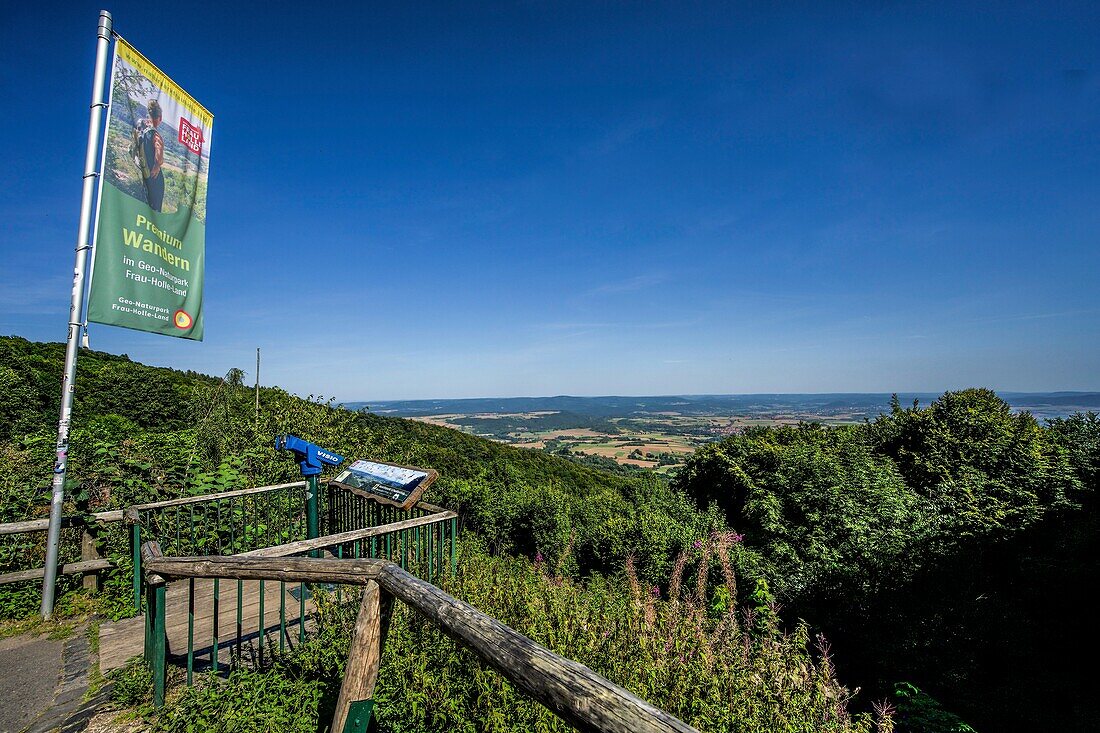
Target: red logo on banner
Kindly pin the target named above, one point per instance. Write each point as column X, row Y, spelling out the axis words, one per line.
column 191, row 136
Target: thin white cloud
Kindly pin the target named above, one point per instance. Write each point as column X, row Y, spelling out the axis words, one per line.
column 1037, row 316
column 629, row 285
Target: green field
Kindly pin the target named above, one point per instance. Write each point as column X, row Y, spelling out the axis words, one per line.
column 658, row 441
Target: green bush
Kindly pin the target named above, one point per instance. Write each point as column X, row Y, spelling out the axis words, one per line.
column 919, row 712
column 692, row 652
column 927, row 543
column 246, row 701
column 812, row 502
column 718, row 671
column 132, row 685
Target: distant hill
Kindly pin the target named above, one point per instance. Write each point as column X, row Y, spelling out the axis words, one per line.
column 857, row 405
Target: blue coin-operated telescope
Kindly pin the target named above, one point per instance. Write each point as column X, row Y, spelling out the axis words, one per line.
column 311, row 459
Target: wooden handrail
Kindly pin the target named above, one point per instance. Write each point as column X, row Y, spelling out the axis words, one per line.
column 293, row 548
column 574, row 692
column 73, row 568
column 131, row 512
column 73, row 520
column 90, row 562
column 290, row 569
column 118, row 515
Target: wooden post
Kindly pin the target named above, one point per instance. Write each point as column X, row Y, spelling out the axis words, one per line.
column 88, row 551
column 364, row 655
column 257, row 389
column 136, row 541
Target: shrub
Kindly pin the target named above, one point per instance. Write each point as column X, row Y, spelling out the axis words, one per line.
column 133, row 685
column 246, row 701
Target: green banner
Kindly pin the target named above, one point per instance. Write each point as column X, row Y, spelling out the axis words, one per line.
column 150, row 239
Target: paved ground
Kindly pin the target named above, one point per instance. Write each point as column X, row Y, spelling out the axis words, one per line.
column 28, row 678
column 43, row 682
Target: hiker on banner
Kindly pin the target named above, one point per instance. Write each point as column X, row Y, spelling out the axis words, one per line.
column 148, row 150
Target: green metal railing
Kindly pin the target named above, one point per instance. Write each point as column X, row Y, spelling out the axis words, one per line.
column 267, row 522
column 346, row 511
column 226, row 523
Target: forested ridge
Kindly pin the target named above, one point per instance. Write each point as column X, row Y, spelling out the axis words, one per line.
column 952, row 546
column 943, row 549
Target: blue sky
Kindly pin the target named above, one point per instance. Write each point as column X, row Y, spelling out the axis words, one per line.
column 416, row 200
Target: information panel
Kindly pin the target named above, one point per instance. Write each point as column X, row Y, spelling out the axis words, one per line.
column 389, row 483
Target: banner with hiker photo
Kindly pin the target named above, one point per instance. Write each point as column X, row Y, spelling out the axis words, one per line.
column 150, row 238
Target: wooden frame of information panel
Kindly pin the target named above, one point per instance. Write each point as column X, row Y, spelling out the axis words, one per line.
column 414, row 495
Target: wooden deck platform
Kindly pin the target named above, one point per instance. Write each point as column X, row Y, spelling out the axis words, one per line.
column 121, row 640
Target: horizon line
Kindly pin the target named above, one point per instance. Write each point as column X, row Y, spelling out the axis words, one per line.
column 685, row 395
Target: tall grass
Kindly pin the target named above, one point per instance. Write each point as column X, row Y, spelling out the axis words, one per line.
column 692, row 653
column 687, row 649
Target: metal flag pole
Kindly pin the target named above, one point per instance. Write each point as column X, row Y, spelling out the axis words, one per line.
column 83, row 239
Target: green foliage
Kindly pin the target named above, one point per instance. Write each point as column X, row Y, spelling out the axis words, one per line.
column 919, row 712
column 980, row 467
column 132, row 685
column 813, row 502
column 1079, row 437
column 594, row 461
column 714, row 672
column 30, row 397
column 922, row 542
column 247, row 701
column 720, row 670
column 821, row 506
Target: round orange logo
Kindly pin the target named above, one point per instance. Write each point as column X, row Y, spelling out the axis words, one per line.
column 182, row 319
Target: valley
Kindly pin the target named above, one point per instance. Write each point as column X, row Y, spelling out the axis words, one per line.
column 659, row 433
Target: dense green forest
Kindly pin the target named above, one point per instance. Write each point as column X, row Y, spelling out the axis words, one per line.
column 951, row 547
column 943, row 550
